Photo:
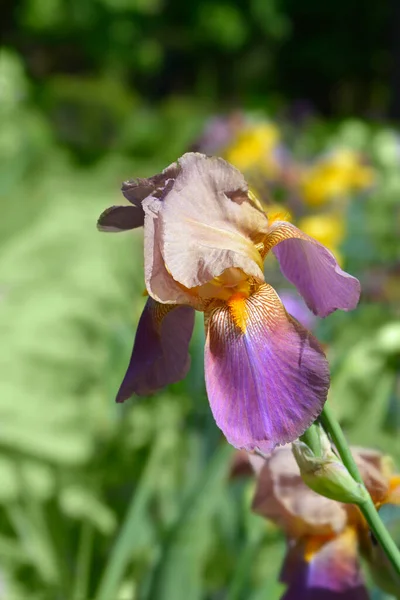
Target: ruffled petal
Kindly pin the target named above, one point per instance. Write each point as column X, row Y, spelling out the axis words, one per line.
column 157, row 186
column 267, row 377
column 209, row 223
column 160, row 352
column 282, row 496
column 313, row 269
column 120, row 218
column 330, row 572
column 159, row 282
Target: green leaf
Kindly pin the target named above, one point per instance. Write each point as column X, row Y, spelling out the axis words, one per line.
column 178, row 574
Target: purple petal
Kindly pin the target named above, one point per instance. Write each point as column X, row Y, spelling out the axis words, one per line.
column 313, row 269
column 157, row 186
column 267, row 377
column 120, row 218
column 332, row 572
column 160, row 352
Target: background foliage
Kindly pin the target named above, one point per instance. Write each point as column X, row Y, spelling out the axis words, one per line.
column 99, row 501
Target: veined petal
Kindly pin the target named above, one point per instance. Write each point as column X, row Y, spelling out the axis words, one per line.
column 313, row 269
column 159, row 282
column 120, row 218
column 325, row 570
column 160, row 352
column 267, row 377
column 209, row 223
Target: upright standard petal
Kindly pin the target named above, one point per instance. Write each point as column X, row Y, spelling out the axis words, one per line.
column 160, row 352
column 159, row 282
column 267, row 377
column 313, row 269
column 120, row 218
column 323, row 569
column 209, row 223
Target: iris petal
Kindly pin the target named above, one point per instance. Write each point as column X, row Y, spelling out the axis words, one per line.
column 160, row 352
column 159, row 282
column 331, row 573
column 267, row 377
column 136, row 190
column 120, row 218
column 209, row 223
column 313, row 269
column 282, row 496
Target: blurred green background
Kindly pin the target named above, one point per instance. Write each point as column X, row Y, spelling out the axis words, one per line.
column 139, row 501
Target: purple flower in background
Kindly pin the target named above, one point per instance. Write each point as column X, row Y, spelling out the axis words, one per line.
column 296, row 307
column 205, row 240
column 324, row 537
column 219, row 131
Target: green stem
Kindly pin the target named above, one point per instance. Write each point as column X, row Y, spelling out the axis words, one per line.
column 128, row 537
column 83, row 562
column 367, row 507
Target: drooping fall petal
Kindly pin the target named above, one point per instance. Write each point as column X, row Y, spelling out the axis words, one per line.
column 160, row 352
column 313, row 269
column 120, row 218
column 319, row 569
column 267, row 377
column 208, row 223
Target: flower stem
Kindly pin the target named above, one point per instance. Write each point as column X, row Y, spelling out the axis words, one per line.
column 367, row 507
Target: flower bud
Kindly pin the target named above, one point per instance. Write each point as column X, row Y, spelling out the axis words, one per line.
column 326, row 474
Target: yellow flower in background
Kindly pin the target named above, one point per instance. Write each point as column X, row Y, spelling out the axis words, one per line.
column 329, row 229
column 253, row 148
column 277, row 212
column 338, row 175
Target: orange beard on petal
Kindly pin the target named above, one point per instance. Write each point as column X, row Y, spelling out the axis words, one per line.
column 238, row 310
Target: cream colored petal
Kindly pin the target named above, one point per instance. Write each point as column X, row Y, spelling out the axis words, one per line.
column 159, row 283
column 208, row 222
column 282, row 496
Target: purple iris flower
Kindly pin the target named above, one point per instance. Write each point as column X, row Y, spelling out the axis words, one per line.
column 325, row 538
column 205, row 240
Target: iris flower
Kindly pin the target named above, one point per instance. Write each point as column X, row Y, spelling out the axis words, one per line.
column 324, row 537
column 205, row 240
